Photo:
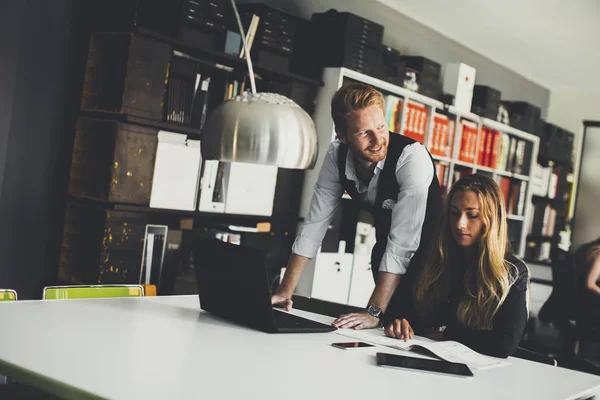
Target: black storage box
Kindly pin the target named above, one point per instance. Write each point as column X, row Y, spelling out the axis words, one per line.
column 524, row 116
column 490, row 113
column 486, row 97
column 275, row 35
column 346, row 40
column 422, row 64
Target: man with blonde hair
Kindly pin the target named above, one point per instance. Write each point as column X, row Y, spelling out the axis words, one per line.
column 393, row 177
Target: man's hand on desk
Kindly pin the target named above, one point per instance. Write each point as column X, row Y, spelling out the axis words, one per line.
column 356, row 321
column 400, row 329
column 282, row 300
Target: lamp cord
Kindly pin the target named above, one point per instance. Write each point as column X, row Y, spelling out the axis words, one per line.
column 250, row 69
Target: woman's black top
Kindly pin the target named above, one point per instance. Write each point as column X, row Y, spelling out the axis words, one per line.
column 509, row 321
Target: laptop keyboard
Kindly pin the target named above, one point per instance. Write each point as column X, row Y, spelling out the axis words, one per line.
column 286, row 320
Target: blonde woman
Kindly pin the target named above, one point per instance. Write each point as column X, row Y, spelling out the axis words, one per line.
column 471, row 288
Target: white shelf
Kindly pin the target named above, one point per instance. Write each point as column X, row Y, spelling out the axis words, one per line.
column 490, row 123
column 389, row 87
column 504, row 173
column 468, row 115
column 333, row 79
column 441, row 158
column 463, row 164
column 482, row 168
column 521, row 177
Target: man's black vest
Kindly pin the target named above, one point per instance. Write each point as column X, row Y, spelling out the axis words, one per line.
column 387, row 195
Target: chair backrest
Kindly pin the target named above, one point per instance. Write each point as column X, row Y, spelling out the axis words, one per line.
column 92, row 292
column 8, row 295
column 561, row 306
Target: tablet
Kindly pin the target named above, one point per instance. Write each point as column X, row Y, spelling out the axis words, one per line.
column 439, row 366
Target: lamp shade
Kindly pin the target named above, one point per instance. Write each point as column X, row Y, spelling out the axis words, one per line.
column 260, row 128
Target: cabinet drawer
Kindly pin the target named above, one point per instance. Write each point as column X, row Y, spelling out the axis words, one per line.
column 362, row 283
column 332, row 277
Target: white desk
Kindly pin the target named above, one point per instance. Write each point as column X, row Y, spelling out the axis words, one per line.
column 165, row 348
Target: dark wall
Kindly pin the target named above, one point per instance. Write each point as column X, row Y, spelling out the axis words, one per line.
column 41, row 71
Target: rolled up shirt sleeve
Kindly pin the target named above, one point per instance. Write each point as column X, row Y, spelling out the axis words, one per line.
column 326, row 199
column 414, row 172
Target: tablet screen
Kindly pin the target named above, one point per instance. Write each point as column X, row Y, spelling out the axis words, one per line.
column 444, row 367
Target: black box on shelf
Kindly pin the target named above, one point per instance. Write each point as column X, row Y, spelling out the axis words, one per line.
column 341, row 39
column 524, row 116
column 394, row 70
column 275, row 32
column 390, row 55
column 558, row 143
column 490, row 113
column 486, row 97
column 423, row 65
column 205, row 23
column 338, row 27
column 432, row 89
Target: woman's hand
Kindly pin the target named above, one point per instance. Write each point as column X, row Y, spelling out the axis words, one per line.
column 400, row 329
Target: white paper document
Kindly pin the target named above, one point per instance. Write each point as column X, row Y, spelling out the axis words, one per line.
column 176, row 172
column 447, row 350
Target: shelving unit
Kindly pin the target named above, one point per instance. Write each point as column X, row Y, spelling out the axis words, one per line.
column 334, row 78
column 124, row 103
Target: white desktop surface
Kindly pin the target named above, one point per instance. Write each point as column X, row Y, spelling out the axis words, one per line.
column 166, row 348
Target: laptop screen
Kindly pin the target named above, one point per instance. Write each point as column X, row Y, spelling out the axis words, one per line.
column 232, row 283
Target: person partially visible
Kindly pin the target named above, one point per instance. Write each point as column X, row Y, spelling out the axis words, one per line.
column 471, row 288
column 587, row 266
column 389, row 175
column 587, row 258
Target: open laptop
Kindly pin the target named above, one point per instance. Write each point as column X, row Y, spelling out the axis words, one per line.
column 232, row 283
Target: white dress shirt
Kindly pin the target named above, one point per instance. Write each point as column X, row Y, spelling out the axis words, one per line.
column 414, row 173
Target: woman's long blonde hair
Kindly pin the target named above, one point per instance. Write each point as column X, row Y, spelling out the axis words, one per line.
column 485, row 285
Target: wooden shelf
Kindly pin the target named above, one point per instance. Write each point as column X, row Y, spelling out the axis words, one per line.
column 131, row 119
column 218, row 57
column 145, row 209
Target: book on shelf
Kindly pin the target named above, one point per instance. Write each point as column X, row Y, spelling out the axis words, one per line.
column 393, row 112
column 516, row 197
column 442, row 135
column 200, row 102
column 505, row 188
column 415, row 123
column 468, row 142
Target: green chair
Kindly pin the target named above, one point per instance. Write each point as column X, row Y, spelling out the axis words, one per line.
column 91, row 292
column 8, row 295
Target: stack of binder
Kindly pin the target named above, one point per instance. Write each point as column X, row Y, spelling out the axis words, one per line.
column 205, row 22
column 343, row 39
column 271, row 32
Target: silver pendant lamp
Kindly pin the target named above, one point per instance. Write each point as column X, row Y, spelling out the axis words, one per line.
column 260, row 128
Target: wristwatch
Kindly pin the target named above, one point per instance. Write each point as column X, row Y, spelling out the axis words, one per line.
column 374, row 310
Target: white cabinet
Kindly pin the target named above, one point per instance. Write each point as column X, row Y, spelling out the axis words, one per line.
column 361, row 282
column 332, row 277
